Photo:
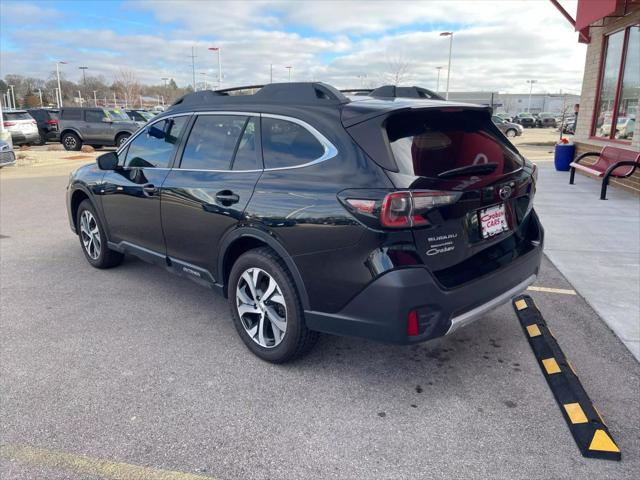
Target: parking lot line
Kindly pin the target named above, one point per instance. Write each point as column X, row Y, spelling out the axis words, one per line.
column 84, row 465
column 563, row 291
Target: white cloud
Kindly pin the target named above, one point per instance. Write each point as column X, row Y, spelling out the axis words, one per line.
column 497, row 44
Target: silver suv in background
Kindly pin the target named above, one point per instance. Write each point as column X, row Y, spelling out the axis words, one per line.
column 22, row 127
column 94, row 126
column 7, row 156
column 508, row 128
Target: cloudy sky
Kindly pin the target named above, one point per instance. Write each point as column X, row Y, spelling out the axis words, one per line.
column 497, row 45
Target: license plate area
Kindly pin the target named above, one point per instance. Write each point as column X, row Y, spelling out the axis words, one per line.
column 493, row 220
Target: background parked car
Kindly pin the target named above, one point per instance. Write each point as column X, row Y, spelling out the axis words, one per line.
column 510, row 129
column 624, row 128
column 47, row 120
column 7, row 156
column 525, row 119
column 505, row 116
column 140, row 116
column 21, row 126
column 546, row 120
column 94, row 126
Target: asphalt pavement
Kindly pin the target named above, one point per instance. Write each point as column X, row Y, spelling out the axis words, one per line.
column 135, row 373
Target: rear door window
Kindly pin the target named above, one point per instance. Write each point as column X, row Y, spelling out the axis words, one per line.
column 212, row 142
column 248, row 152
column 428, row 144
column 94, row 116
column 287, row 144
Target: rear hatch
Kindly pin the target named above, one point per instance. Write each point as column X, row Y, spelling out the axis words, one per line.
column 469, row 190
column 20, row 122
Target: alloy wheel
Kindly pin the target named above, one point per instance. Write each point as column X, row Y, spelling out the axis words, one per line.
column 70, row 142
column 261, row 307
column 90, row 234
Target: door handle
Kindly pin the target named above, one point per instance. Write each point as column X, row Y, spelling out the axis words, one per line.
column 227, row 197
column 149, row 189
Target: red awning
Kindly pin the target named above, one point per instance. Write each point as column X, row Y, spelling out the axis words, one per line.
column 590, row 11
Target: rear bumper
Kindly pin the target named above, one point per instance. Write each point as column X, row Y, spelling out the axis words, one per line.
column 20, row 137
column 380, row 311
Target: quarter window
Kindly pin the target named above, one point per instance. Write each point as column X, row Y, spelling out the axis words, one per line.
column 155, row 147
column 287, row 144
column 212, row 142
column 617, row 104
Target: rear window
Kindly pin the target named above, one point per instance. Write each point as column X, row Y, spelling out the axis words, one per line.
column 17, row 116
column 428, row 144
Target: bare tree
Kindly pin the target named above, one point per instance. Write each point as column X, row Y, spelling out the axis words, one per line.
column 128, row 85
column 397, row 70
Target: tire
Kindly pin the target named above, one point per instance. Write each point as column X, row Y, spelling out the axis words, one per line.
column 261, row 325
column 511, row 133
column 93, row 240
column 71, row 142
column 121, row 138
column 97, row 147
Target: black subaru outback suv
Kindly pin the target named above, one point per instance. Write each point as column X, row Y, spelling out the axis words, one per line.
column 393, row 219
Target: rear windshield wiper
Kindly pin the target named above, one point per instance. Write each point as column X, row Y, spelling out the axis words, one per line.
column 481, row 169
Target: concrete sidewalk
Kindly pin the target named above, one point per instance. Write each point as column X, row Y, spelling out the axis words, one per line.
column 596, row 246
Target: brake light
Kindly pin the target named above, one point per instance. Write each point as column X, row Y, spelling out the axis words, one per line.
column 407, row 209
column 9, row 124
column 52, row 122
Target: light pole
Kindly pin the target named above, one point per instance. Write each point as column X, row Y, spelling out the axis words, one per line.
column 530, row 82
column 450, row 35
column 80, row 100
column 84, row 76
column 204, row 75
column 95, row 99
column 12, row 97
column 58, row 75
column 217, row 49
column 40, row 95
column 438, row 81
column 115, row 103
column 289, row 68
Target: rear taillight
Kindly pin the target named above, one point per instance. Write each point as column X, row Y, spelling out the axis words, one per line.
column 9, row 124
column 409, row 208
column 52, row 122
column 34, row 122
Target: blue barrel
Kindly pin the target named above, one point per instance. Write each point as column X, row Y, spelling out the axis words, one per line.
column 564, row 156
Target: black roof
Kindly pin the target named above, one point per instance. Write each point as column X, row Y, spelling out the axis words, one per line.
column 302, row 93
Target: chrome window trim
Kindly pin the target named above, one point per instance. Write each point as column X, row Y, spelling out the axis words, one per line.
column 330, row 150
column 142, row 129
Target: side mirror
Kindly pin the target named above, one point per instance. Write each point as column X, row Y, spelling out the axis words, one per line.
column 107, row 120
column 108, row 161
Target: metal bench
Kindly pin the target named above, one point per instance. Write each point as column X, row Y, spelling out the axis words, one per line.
column 612, row 162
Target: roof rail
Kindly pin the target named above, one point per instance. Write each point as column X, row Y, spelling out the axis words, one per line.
column 392, row 91
column 358, row 91
column 305, row 93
